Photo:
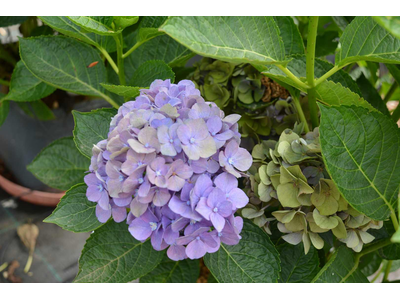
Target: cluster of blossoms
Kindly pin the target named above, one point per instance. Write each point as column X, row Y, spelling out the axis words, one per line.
column 172, row 160
column 240, row 88
column 292, row 177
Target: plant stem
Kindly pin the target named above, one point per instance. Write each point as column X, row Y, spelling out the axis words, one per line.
column 326, row 75
column 134, row 47
column 310, row 60
column 109, row 100
column 391, row 91
column 377, row 274
column 300, row 111
column 120, row 59
column 293, row 77
column 387, row 271
column 109, row 59
column 394, row 221
column 366, row 251
column 4, row 82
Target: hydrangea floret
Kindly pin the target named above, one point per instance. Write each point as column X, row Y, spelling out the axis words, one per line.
column 170, row 168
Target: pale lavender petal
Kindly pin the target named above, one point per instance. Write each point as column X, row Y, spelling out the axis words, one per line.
column 102, row 214
column 118, row 214
column 203, row 209
column 196, row 249
column 140, row 229
column 238, row 198
column 218, row 221
column 176, row 252
column 225, row 208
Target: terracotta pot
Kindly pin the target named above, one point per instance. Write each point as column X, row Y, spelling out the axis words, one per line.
column 28, row 195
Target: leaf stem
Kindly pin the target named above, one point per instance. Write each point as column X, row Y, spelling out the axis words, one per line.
column 394, row 221
column 134, row 47
column 387, row 271
column 327, row 75
column 310, row 60
column 109, row 59
column 109, row 100
column 293, row 77
column 120, row 59
column 391, row 91
column 300, row 111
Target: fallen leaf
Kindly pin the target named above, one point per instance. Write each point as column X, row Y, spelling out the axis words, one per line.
column 28, row 234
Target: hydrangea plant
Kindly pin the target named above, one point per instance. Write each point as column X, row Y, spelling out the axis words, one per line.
column 166, row 177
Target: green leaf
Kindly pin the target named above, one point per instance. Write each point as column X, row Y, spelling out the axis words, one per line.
column 391, row 24
column 147, row 29
column 91, row 128
column 100, row 25
column 63, row 62
column 125, row 21
column 60, row 165
column 327, row 43
column 235, row 39
column 123, row 90
column 169, row 271
column 75, row 212
column 8, row 21
column 111, row 254
column 296, row 266
column 4, row 109
column 364, row 39
column 42, row 111
column 290, row 34
column 340, row 268
column 150, row 71
column 371, row 95
column 341, row 22
column 254, row 259
column 25, row 86
column 67, row 27
column 160, row 48
column 370, row 263
column 361, row 151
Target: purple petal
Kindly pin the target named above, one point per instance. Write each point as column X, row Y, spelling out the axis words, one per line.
column 140, row 229
column 102, row 214
column 196, row 249
column 204, row 209
column 119, row 214
column 176, row 252
column 218, row 221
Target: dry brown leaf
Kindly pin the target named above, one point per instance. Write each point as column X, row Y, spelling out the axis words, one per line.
column 10, row 272
column 28, row 234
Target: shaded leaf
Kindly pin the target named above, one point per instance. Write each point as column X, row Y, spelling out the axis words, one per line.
column 123, row 90
column 75, row 212
column 91, row 128
column 340, row 268
column 42, row 111
column 8, row 21
column 296, row 266
column 4, row 109
column 24, row 86
column 235, row 39
column 364, row 39
column 60, row 165
column 125, row 261
column 150, row 71
column 290, row 34
column 371, row 94
column 169, row 271
column 370, row 263
column 254, row 259
column 391, row 24
column 361, row 150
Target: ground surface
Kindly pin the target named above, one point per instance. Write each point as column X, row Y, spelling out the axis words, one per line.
column 57, row 251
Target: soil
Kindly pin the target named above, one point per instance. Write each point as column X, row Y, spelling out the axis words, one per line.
column 204, row 273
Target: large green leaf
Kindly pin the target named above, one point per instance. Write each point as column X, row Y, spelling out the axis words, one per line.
column 361, row 150
column 370, row 263
column 341, row 268
column 150, row 71
column 75, row 212
column 147, row 29
column 60, row 165
column 364, row 39
column 123, row 90
column 67, row 27
column 25, row 86
column 236, row 39
column 254, row 259
column 290, row 34
column 296, row 266
column 111, row 254
column 100, row 25
column 391, row 24
column 169, row 271
column 160, row 48
column 370, row 94
column 42, row 111
column 91, row 128
column 63, row 62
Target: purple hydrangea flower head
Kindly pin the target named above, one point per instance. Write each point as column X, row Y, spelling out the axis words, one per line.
column 171, row 159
